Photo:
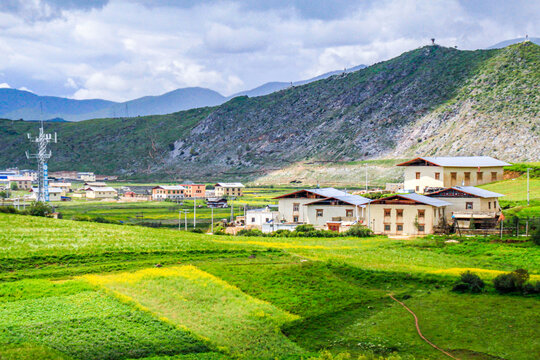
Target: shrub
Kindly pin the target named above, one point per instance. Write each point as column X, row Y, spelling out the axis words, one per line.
column 8, row 210
column 38, row 208
column 511, row 282
column 197, row 231
column 359, row 231
column 469, row 282
column 304, row 228
column 250, row 232
column 14, row 186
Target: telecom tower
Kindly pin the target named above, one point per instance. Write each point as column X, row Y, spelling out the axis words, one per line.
column 42, row 156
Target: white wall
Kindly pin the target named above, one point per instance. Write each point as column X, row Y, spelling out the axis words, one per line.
column 331, row 211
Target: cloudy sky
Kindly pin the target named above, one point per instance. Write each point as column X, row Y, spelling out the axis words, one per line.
column 120, row 49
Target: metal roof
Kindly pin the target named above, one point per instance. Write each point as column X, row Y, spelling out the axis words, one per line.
column 230, row 185
column 100, row 188
column 356, row 200
column 477, row 191
column 461, row 161
column 51, row 190
column 170, row 187
column 328, row 192
column 418, row 198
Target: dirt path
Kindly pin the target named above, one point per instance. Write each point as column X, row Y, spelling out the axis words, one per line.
column 418, row 329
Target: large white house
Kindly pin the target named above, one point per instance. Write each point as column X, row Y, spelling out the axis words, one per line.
column 440, row 172
column 324, row 208
column 255, row 218
column 55, row 194
column 100, row 192
column 228, row 189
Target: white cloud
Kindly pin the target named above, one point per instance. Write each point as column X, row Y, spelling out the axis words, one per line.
column 5, row 86
column 123, row 49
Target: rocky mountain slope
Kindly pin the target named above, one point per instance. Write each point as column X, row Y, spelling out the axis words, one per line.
column 431, row 100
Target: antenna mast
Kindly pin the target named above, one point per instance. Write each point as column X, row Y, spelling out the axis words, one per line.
column 42, row 140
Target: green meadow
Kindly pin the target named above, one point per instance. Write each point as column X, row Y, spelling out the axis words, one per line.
column 84, row 290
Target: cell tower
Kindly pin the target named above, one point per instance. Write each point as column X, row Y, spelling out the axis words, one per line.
column 42, row 156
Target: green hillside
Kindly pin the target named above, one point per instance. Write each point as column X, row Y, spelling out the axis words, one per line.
column 77, row 290
column 432, row 100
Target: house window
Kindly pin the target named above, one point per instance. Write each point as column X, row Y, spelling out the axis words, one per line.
column 421, row 228
column 469, row 205
column 437, row 176
column 489, row 205
column 480, row 176
column 319, row 212
column 386, row 227
column 252, row 219
column 421, row 214
column 387, row 212
column 349, row 213
column 267, row 220
column 453, row 178
column 467, row 178
column 494, row 176
column 417, row 188
column 399, row 213
column 399, row 227
column 296, row 207
column 417, row 176
column 295, row 219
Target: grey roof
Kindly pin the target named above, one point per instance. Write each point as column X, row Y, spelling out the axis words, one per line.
column 425, row 199
column 230, row 185
column 356, row 200
column 465, row 161
column 170, row 187
column 478, row 192
column 100, row 188
column 328, row 192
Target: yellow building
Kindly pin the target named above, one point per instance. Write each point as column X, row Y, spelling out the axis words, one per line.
column 100, row 192
column 406, row 214
column 441, row 172
column 228, row 189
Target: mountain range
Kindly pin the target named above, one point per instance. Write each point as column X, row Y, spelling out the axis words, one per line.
column 19, row 104
column 429, row 101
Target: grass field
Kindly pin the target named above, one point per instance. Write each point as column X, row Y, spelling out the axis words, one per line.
column 82, row 290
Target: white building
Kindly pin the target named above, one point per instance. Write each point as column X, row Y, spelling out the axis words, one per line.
column 55, row 194
column 255, row 218
column 86, row 176
column 441, row 172
column 328, row 207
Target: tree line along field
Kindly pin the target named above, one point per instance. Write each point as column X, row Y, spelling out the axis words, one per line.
column 84, row 290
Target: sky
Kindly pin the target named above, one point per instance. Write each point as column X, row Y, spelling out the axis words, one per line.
column 120, row 50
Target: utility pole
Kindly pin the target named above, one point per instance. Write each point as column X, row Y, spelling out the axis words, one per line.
column 42, row 140
column 212, row 226
column 179, row 218
column 185, row 223
column 528, row 189
column 366, row 178
column 194, row 213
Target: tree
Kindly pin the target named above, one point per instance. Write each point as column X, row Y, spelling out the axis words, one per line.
column 14, row 186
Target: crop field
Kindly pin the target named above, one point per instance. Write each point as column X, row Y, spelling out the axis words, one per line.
column 84, row 290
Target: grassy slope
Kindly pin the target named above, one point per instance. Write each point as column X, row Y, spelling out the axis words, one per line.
column 342, row 304
column 244, row 326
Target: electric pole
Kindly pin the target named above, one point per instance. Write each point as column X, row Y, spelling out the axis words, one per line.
column 528, row 189
column 194, row 213
column 42, row 155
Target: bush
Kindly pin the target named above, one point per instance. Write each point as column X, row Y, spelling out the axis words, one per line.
column 14, row 186
column 197, row 231
column 359, row 231
column 469, row 282
column 38, row 208
column 511, row 282
column 8, row 210
column 304, row 228
column 250, row 232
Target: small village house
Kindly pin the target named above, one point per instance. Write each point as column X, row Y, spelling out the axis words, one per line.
column 22, row 182
column 423, row 173
column 65, row 186
column 194, row 190
column 55, row 194
column 100, row 192
column 228, row 189
column 255, row 218
column 95, row 183
column 170, row 192
column 321, row 207
column 216, row 203
column 406, row 214
column 469, row 202
column 86, row 176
